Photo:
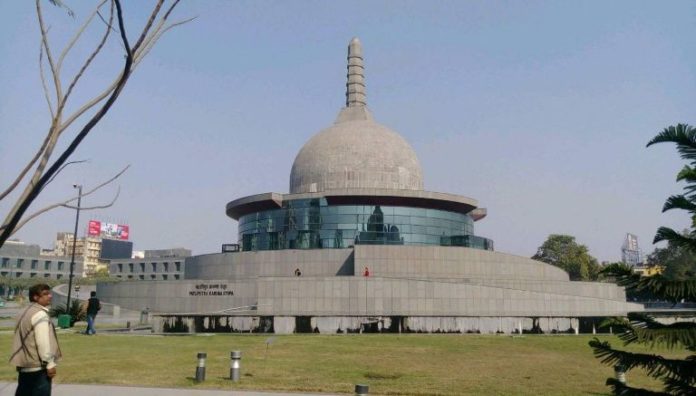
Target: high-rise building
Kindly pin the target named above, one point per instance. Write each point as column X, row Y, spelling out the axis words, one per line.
column 630, row 251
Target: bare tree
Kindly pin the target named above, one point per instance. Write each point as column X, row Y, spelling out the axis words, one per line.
column 39, row 170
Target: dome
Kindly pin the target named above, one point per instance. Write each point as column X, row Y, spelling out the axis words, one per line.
column 355, row 152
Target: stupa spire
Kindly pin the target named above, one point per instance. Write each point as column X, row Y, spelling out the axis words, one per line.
column 355, row 87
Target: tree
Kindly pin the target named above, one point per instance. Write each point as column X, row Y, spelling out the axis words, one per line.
column 39, row 170
column 679, row 262
column 563, row 252
column 677, row 375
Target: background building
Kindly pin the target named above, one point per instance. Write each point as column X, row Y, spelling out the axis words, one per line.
column 630, row 251
column 163, row 264
column 20, row 260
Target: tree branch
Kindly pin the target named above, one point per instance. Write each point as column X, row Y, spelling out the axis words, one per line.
column 68, row 201
column 43, row 174
column 77, row 36
column 43, row 81
column 94, row 53
column 63, row 167
column 118, row 192
column 150, row 21
column 36, row 188
column 44, row 40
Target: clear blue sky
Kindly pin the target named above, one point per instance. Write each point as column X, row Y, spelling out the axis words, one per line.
column 539, row 110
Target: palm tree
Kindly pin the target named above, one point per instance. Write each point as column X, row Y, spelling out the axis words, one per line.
column 677, row 375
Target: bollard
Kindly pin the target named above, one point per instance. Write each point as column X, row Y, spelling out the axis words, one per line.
column 362, row 390
column 235, row 365
column 200, row 369
column 620, row 373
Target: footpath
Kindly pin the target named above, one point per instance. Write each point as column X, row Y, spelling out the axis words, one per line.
column 8, row 389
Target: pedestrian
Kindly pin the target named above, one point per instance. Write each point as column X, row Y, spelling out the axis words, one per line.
column 298, row 272
column 367, row 272
column 93, row 307
column 35, row 348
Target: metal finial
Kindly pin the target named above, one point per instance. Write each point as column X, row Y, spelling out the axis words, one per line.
column 355, row 87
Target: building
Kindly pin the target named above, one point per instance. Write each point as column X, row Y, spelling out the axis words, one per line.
column 359, row 245
column 630, row 251
column 95, row 250
column 649, row 270
column 19, row 260
column 164, row 264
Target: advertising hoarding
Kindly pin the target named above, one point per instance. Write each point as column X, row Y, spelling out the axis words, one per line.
column 108, row 230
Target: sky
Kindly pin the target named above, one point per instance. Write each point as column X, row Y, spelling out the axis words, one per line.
column 539, row 110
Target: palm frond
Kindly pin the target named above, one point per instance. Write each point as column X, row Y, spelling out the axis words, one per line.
column 658, row 285
column 655, row 366
column 646, row 330
column 668, row 289
column 679, row 202
column 614, row 321
column 687, row 174
column 621, row 389
column 624, row 275
column 683, row 135
column 678, row 387
column 668, row 234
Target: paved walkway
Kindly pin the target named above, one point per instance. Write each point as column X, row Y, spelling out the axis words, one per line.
column 8, row 389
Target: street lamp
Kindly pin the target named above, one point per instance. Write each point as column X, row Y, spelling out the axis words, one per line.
column 72, row 259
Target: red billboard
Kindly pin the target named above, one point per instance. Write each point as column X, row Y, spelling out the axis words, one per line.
column 108, row 230
column 94, row 228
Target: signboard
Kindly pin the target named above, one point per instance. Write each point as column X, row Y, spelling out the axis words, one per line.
column 93, row 228
column 108, row 230
column 210, row 289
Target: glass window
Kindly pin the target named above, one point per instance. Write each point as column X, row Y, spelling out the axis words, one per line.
column 311, row 224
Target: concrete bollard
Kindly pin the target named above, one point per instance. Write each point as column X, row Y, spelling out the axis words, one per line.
column 362, row 390
column 235, row 365
column 200, row 369
column 620, row 373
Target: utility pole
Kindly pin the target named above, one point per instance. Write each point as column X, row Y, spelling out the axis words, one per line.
column 72, row 259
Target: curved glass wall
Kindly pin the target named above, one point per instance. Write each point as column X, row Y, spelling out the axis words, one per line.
column 313, row 224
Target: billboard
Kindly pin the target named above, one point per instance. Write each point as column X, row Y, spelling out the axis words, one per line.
column 107, row 230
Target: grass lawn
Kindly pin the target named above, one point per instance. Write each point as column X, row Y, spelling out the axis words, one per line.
column 391, row 364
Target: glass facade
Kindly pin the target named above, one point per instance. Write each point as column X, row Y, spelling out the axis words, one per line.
column 313, row 224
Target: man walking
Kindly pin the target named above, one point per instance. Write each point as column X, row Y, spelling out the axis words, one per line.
column 35, row 349
column 93, row 307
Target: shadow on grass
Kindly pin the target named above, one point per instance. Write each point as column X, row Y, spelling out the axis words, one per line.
column 382, row 376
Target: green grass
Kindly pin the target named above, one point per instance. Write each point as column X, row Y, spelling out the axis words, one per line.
column 390, row 364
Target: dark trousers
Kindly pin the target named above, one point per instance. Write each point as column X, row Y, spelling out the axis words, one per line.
column 33, row 384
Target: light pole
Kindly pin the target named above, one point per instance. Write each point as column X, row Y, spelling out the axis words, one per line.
column 72, row 259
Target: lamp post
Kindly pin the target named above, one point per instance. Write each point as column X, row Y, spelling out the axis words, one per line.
column 72, row 259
